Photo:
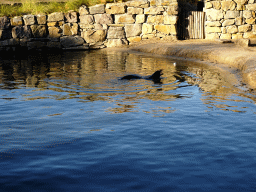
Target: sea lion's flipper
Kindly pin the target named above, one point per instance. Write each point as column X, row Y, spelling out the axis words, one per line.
column 156, row 75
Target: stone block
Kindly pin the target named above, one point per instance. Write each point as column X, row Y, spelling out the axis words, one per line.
column 249, row 35
column 70, row 29
column 100, row 26
column 225, row 36
column 86, row 26
column 5, row 22
column 238, row 21
column 242, row 42
column 208, row 5
column 223, row 30
column 247, row 14
column 115, row 8
column 124, row 18
column 116, row 33
column 173, row 9
column 240, row 7
column 161, row 2
column 251, row 7
column 56, row 16
column 250, row 21
column 21, row 32
column 154, row 10
column 86, row 19
column 212, row 36
column 138, row 3
column 97, row 9
column 39, row 31
column 228, row 5
column 71, row 17
column 134, row 39
column 166, row 29
column 155, row 19
column 54, row 32
column 92, row 36
column 41, row 19
column 133, row 30
column 55, row 24
column 103, row 19
column 116, row 42
column 5, row 34
column 244, row 28
column 71, row 41
column 242, row 2
column 135, row 10
column 170, row 19
column 232, row 29
column 232, row 14
column 17, row 21
column 214, row 15
column 29, row 19
column 212, row 23
column 83, row 10
column 147, row 28
column 216, row 4
column 213, row 29
column 140, row 18
column 228, row 22
column 237, row 36
column 254, row 28
column 148, row 36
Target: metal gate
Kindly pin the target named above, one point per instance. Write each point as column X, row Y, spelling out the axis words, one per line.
column 191, row 25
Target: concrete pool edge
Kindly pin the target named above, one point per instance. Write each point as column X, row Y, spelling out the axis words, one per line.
column 241, row 59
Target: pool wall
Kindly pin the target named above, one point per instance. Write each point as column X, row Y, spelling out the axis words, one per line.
column 99, row 26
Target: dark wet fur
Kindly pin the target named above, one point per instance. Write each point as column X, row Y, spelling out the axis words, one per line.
column 156, row 77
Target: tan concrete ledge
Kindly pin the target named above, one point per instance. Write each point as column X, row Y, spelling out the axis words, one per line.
column 243, row 59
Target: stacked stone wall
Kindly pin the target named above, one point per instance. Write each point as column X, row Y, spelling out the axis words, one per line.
column 99, row 26
column 230, row 19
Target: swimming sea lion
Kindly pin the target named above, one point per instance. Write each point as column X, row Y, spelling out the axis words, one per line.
column 156, row 77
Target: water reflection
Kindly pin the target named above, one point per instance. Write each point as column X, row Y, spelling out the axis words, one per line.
column 94, row 76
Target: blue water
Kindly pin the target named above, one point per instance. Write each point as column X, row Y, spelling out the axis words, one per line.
column 68, row 123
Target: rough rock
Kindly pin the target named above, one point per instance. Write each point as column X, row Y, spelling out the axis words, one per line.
column 147, row 28
column 29, row 19
column 124, row 18
column 134, row 39
column 17, row 21
column 5, row 22
column 228, row 5
column 71, row 17
column 135, row 11
column 115, row 8
column 140, row 18
column 173, row 9
column 41, row 19
column 251, row 7
column 228, row 22
column 214, row 15
column 71, row 41
column 166, row 29
column 232, row 14
column 39, row 31
column 212, row 29
column 5, row 34
column 83, row 10
column 116, row 33
column 97, row 9
column 153, row 10
column 70, row 29
column 116, row 42
column 244, row 28
column 56, row 16
column 170, row 19
column 103, row 19
column 86, row 19
column 54, row 32
column 155, row 19
column 92, row 36
column 21, row 32
column 232, row 29
column 138, row 3
column 133, row 30
column 212, row 23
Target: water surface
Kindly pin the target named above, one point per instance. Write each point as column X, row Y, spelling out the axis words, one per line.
column 68, row 123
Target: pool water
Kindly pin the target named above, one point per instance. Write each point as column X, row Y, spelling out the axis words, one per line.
column 68, row 123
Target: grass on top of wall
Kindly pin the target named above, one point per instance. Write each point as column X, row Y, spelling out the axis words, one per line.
column 32, row 7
